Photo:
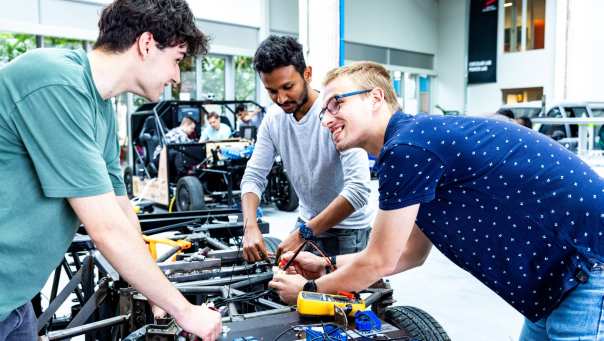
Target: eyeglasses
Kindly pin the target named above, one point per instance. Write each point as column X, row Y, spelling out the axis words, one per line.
column 333, row 104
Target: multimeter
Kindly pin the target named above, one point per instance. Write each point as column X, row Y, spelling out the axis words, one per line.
column 317, row 304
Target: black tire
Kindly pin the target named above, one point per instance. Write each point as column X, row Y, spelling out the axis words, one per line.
column 289, row 200
column 272, row 244
column 128, row 181
column 189, row 194
column 416, row 323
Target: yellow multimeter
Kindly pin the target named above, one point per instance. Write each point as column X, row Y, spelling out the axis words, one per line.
column 317, row 304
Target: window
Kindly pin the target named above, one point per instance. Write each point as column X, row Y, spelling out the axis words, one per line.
column 511, row 96
column 597, row 112
column 535, row 24
column 524, row 25
column 187, row 88
column 410, row 101
column 576, row 112
column 513, row 25
column 212, row 85
column 63, row 43
column 13, row 45
column 245, row 79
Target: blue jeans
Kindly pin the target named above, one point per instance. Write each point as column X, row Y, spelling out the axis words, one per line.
column 335, row 242
column 20, row 325
column 580, row 316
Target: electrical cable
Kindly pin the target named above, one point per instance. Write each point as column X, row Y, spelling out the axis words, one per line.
column 239, row 246
column 284, row 332
column 318, row 249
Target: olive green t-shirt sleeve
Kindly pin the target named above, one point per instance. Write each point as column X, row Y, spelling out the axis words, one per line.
column 57, row 127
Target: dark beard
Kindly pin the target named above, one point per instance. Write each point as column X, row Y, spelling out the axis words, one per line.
column 302, row 101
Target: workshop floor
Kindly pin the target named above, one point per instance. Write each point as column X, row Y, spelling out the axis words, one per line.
column 466, row 308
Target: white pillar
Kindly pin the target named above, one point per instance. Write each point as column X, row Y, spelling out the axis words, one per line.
column 585, row 48
column 263, row 32
column 319, row 22
column 560, row 51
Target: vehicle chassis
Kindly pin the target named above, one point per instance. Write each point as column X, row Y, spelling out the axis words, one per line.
column 211, row 270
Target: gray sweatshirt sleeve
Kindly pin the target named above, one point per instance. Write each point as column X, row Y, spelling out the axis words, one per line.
column 261, row 162
column 355, row 166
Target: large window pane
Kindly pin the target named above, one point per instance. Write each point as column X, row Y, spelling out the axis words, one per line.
column 511, row 96
column 213, row 77
column 187, row 88
column 535, row 24
column 245, row 79
column 13, row 45
column 64, row 43
column 512, row 26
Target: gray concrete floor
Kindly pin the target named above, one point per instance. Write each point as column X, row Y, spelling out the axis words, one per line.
column 465, row 308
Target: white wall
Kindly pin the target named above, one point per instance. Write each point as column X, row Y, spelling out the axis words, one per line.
column 239, row 12
column 60, row 18
column 585, row 70
column 450, row 59
column 407, row 25
column 283, row 15
column 483, row 99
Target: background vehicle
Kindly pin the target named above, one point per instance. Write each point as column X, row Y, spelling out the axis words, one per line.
column 189, row 176
column 567, row 134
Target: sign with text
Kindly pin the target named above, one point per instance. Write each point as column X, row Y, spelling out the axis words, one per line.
column 482, row 42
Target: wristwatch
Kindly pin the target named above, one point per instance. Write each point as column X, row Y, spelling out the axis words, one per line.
column 310, row 286
column 305, row 231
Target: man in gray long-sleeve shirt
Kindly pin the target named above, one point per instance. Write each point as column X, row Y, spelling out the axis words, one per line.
column 332, row 187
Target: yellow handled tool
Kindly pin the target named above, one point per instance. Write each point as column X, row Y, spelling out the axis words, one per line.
column 152, row 242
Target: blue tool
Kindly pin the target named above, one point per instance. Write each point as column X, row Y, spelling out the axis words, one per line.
column 330, row 332
column 366, row 321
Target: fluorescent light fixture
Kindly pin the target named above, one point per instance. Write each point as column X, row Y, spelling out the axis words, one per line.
column 508, row 4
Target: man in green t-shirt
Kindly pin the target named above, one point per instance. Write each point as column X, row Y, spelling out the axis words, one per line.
column 59, row 158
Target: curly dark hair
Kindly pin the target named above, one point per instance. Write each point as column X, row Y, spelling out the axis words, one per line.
column 170, row 21
column 239, row 108
column 278, row 51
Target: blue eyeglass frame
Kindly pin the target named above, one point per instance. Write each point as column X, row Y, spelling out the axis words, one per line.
column 338, row 98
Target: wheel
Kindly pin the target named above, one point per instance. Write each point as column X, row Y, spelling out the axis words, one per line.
column 128, row 181
column 288, row 199
column 272, row 244
column 189, row 194
column 416, row 323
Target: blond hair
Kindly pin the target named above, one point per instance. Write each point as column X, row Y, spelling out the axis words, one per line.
column 367, row 75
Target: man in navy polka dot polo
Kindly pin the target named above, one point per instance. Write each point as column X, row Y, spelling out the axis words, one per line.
column 507, row 204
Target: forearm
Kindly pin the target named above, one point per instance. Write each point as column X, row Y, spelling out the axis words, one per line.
column 127, row 252
column 333, row 214
column 355, row 272
column 128, row 210
column 415, row 252
column 249, row 206
column 123, row 246
column 386, row 248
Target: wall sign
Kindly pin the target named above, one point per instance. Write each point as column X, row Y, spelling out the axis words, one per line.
column 482, row 42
